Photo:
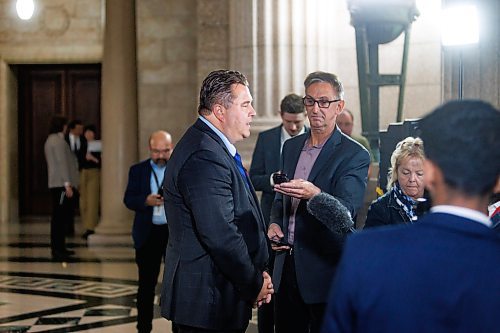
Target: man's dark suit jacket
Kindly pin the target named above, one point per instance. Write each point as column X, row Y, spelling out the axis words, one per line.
column 341, row 170
column 440, row 274
column 81, row 152
column 218, row 247
column 138, row 189
column 265, row 161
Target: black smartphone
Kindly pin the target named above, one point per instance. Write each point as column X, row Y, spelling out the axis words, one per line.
column 279, row 242
column 280, row 177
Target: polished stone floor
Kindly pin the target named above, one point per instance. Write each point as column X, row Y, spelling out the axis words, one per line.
column 92, row 292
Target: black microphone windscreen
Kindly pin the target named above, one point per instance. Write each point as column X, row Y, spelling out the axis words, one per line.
column 331, row 212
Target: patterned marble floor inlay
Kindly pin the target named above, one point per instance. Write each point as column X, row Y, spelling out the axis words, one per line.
column 57, row 320
column 93, row 292
column 14, row 329
column 98, row 289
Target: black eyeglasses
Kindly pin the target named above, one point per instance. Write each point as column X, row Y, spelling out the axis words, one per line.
column 324, row 104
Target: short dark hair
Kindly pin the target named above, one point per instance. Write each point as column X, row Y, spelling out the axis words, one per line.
column 292, row 103
column 72, row 124
column 57, row 124
column 462, row 138
column 216, row 89
column 91, row 128
column 330, row 78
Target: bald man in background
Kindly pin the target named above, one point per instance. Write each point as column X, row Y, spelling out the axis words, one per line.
column 144, row 195
column 345, row 121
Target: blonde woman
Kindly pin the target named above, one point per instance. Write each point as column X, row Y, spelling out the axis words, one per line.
column 405, row 186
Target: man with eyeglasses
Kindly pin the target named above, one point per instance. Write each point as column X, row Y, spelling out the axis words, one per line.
column 307, row 251
column 144, row 195
column 265, row 163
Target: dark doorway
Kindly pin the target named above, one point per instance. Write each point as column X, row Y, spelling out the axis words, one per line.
column 45, row 90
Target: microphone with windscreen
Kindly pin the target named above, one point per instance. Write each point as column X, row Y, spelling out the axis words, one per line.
column 331, row 213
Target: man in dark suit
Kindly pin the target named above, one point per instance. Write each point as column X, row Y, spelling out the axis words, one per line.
column 265, row 162
column 323, row 160
column 144, row 195
column 441, row 274
column 78, row 145
column 76, row 141
column 217, row 253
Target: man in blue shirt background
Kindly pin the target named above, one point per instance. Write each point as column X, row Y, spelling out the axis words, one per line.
column 144, row 195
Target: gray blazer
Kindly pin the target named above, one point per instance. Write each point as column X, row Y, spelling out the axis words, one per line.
column 62, row 165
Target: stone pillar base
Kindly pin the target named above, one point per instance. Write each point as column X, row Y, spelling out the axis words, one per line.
column 111, row 232
column 97, row 240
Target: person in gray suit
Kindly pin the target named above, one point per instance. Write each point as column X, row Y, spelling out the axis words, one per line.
column 265, row 162
column 323, row 160
column 217, row 251
column 62, row 167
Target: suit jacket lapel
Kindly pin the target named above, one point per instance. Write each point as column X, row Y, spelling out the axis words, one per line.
column 292, row 160
column 294, row 148
column 147, row 168
column 325, row 155
column 274, row 148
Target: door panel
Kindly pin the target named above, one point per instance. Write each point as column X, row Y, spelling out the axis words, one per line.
column 46, row 90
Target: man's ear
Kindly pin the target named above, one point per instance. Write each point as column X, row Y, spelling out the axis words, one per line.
column 496, row 189
column 431, row 175
column 340, row 107
column 218, row 110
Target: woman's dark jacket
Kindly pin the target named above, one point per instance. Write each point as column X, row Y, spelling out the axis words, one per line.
column 386, row 211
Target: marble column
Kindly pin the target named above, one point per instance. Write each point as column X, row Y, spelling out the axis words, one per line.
column 9, row 202
column 273, row 46
column 119, row 115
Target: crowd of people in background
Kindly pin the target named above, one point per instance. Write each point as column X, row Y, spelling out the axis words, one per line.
column 293, row 253
column 73, row 157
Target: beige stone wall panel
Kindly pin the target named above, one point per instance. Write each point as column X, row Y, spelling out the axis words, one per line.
column 68, row 31
column 213, row 12
column 150, row 53
column 214, row 43
column 55, row 20
column 167, row 53
column 182, row 51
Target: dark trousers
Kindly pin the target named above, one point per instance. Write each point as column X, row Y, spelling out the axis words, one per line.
column 148, row 259
column 190, row 329
column 265, row 314
column 63, row 209
column 292, row 313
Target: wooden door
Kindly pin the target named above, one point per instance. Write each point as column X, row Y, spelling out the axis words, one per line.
column 45, row 90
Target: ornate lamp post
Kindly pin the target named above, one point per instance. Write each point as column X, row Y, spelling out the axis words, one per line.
column 378, row 23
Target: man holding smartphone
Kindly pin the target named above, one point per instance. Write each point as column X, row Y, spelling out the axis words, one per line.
column 264, row 173
column 144, row 195
column 323, row 160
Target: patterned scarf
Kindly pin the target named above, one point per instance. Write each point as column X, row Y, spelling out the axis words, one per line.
column 404, row 201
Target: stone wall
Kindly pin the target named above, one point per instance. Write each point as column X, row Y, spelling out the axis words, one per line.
column 275, row 43
column 167, row 67
column 60, row 31
column 178, row 44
